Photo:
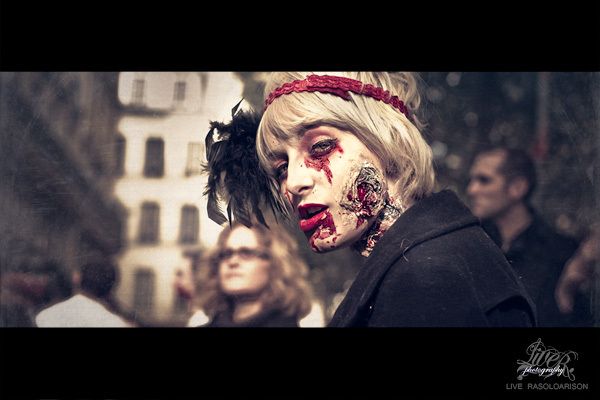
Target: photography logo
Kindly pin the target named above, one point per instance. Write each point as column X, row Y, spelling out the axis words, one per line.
column 546, row 368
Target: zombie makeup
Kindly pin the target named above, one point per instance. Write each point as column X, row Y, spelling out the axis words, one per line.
column 319, row 153
column 384, row 221
column 364, row 196
column 318, row 149
column 335, row 184
column 322, row 223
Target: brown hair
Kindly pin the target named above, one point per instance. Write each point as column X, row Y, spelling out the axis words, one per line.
column 288, row 289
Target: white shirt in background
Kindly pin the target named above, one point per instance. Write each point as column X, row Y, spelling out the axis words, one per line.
column 79, row 312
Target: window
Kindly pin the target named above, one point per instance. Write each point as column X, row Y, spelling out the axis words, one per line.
column 143, row 294
column 149, row 223
column 154, row 163
column 203, row 82
column 179, row 93
column 137, row 94
column 203, row 88
column 189, row 226
column 194, row 159
column 120, row 155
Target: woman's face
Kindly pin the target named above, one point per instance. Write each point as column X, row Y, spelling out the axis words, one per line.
column 334, row 183
column 244, row 264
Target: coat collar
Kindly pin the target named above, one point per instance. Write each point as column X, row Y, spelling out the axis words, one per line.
column 431, row 217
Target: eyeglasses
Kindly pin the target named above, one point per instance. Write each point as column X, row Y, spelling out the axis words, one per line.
column 245, row 253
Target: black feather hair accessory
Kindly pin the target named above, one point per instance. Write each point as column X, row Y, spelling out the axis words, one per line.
column 234, row 172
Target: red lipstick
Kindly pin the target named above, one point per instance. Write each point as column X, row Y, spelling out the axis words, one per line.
column 311, row 216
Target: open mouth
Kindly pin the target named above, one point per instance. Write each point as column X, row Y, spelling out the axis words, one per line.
column 311, row 216
column 307, row 211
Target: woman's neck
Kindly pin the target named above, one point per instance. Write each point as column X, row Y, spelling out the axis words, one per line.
column 385, row 219
column 244, row 309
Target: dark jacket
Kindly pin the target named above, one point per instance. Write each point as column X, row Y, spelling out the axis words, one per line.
column 272, row 319
column 538, row 256
column 436, row 267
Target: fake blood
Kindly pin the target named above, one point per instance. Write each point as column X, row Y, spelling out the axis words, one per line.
column 362, row 191
column 322, row 163
column 366, row 199
column 325, row 230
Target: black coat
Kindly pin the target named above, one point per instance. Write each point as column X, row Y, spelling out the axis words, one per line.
column 270, row 319
column 436, row 267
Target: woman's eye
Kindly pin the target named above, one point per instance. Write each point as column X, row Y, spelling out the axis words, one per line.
column 281, row 172
column 322, row 148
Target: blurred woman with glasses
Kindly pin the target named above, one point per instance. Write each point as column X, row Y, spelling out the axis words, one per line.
column 254, row 278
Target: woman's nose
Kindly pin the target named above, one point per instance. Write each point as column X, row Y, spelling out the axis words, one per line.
column 299, row 179
column 233, row 261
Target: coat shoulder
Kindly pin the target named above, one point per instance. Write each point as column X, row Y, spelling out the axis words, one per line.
column 450, row 280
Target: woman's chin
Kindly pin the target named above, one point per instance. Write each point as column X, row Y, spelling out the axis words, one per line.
column 336, row 241
column 326, row 245
column 322, row 250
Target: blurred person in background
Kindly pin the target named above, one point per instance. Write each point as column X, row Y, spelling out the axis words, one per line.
column 33, row 286
column 502, row 181
column 343, row 155
column 185, row 289
column 580, row 272
column 254, row 277
column 91, row 306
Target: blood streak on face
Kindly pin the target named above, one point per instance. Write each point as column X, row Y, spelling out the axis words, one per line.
column 322, row 167
column 325, row 230
column 322, row 163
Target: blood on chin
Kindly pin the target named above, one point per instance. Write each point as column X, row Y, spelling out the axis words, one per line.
column 325, row 235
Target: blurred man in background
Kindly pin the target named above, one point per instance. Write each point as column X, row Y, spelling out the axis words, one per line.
column 91, row 306
column 501, row 184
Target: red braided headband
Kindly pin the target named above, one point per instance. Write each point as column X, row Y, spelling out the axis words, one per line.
column 338, row 86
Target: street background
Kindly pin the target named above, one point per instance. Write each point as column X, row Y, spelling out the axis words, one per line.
column 106, row 165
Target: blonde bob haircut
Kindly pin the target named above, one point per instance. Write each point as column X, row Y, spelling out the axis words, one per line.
column 287, row 291
column 384, row 130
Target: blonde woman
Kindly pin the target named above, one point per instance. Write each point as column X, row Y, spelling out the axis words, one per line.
column 254, row 278
column 344, row 156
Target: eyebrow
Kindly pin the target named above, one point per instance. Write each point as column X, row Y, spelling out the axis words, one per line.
column 315, row 131
column 303, row 129
column 300, row 132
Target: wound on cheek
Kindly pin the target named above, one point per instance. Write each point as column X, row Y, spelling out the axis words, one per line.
column 365, row 195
